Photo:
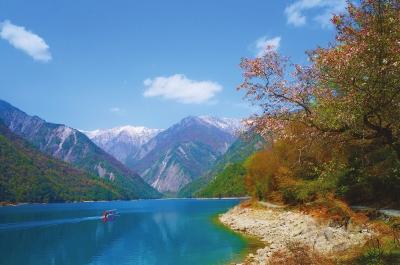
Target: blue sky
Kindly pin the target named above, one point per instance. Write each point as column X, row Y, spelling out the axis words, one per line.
column 99, row 64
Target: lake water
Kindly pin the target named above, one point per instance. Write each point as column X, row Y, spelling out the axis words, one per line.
column 146, row 232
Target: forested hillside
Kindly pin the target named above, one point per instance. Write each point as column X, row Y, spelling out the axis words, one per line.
column 26, row 175
column 228, row 183
column 237, row 153
column 70, row 145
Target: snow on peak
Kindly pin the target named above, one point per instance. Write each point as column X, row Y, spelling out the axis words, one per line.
column 136, row 135
column 91, row 134
column 131, row 130
column 230, row 125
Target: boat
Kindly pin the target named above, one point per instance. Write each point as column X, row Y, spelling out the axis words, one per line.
column 109, row 215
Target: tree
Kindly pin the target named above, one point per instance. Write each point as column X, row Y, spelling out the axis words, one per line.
column 261, row 168
column 350, row 90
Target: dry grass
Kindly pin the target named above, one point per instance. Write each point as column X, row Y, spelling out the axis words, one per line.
column 276, row 197
column 298, row 254
column 335, row 211
column 251, row 203
column 381, row 249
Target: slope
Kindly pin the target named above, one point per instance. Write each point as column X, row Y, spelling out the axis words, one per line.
column 27, row 175
column 72, row 146
column 181, row 153
column 238, row 152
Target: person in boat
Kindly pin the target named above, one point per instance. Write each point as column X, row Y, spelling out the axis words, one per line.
column 107, row 214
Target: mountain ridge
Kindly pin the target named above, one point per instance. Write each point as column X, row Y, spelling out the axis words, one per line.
column 200, row 139
column 27, row 175
column 72, row 146
column 122, row 141
column 239, row 151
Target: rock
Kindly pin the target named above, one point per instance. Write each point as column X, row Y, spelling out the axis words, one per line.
column 328, row 233
column 339, row 247
column 276, row 228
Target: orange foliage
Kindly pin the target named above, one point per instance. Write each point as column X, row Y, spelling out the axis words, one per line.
column 288, row 161
column 334, row 210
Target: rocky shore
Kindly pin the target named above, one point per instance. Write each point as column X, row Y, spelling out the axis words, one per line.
column 277, row 228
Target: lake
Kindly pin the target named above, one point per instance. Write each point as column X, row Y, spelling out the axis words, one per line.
column 176, row 231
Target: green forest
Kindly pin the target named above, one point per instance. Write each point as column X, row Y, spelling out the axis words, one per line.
column 30, row 176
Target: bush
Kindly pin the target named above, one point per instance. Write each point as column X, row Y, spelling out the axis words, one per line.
column 373, row 176
column 379, row 251
column 261, row 168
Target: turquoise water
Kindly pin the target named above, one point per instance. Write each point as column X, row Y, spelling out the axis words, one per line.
column 146, row 232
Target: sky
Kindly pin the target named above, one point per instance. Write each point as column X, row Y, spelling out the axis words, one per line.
column 100, row 63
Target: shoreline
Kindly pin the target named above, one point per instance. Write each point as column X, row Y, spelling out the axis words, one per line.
column 252, row 243
column 278, row 228
column 15, row 204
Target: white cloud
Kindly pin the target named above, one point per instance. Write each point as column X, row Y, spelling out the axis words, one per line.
column 25, row 40
column 296, row 16
column 182, row 89
column 263, row 44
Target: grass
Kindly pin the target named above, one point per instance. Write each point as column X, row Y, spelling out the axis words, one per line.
column 381, row 249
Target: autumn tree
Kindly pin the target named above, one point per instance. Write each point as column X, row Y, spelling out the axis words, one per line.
column 261, row 168
column 349, row 90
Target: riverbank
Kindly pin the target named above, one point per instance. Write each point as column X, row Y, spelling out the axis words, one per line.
column 280, row 230
column 5, row 203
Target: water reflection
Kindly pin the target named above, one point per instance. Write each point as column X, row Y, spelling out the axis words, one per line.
column 146, row 232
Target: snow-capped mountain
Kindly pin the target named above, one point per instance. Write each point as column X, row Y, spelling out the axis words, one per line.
column 122, row 141
column 229, row 125
column 183, row 152
column 169, row 159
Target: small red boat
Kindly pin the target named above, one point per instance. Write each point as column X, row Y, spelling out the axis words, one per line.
column 108, row 215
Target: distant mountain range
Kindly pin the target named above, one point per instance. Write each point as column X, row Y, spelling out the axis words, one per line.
column 72, row 146
column 169, row 159
column 123, row 141
column 182, row 152
column 229, row 125
column 183, row 155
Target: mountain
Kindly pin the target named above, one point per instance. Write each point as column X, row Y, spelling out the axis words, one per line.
column 239, row 151
column 72, row 146
column 183, row 152
column 230, row 125
column 179, row 165
column 27, row 175
column 122, row 141
column 227, row 183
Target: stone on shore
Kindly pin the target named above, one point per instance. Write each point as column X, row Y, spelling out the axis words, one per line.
column 277, row 227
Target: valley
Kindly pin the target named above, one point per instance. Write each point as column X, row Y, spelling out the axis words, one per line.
column 172, row 158
column 139, row 162
column 201, row 132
